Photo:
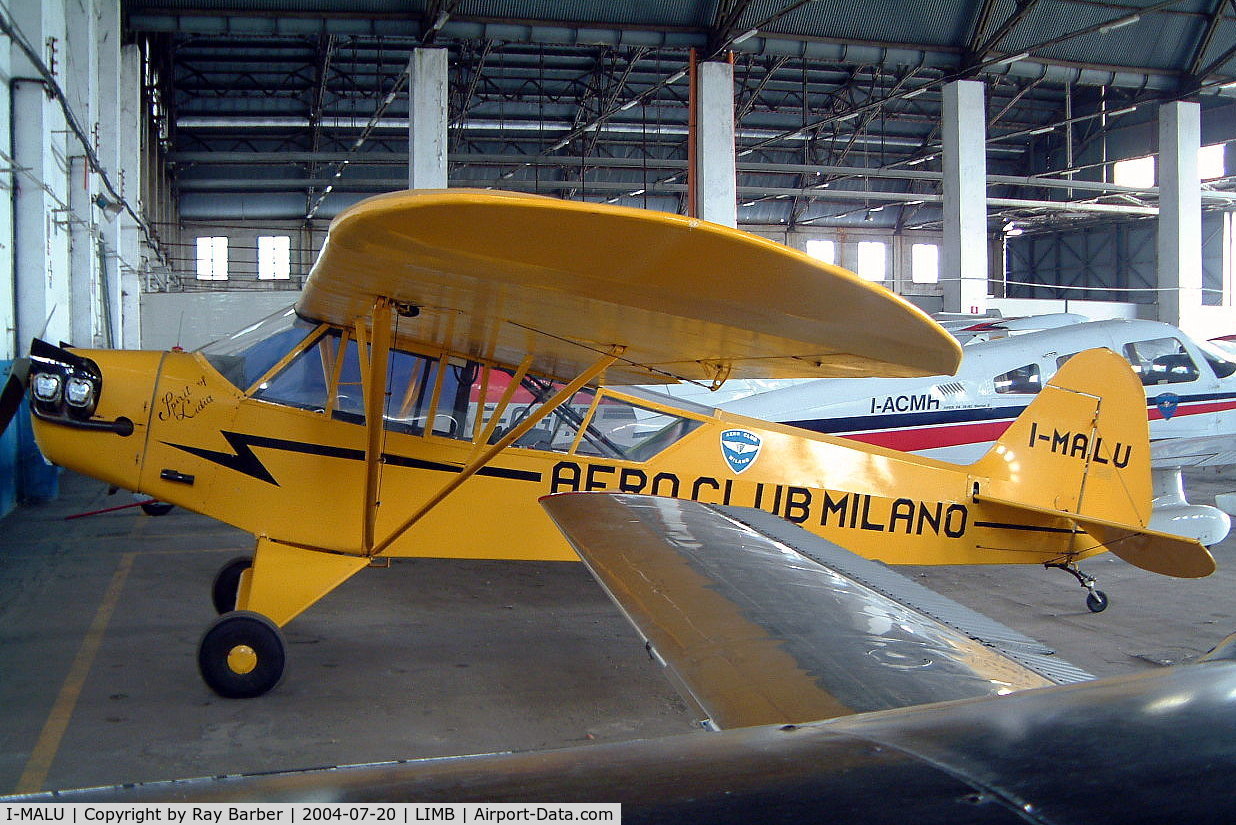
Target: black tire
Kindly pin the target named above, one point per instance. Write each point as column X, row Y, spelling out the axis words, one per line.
column 241, row 655
column 1096, row 601
column 156, row 508
column 227, row 584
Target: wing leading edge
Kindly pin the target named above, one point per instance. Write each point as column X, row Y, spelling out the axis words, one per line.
column 755, row 632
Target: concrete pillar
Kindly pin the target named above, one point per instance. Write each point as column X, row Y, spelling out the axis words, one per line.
column 427, row 119
column 9, row 346
column 1180, row 213
column 963, row 256
column 82, row 260
column 81, row 88
column 715, row 173
column 107, row 29
column 131, row 264
column 40, row 221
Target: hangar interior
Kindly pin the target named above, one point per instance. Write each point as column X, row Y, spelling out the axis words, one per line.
column 172, row 166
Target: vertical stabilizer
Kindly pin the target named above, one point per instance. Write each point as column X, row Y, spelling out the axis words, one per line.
column 1081, row 452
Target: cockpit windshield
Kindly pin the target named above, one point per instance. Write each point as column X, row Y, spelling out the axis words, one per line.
column 246, row 355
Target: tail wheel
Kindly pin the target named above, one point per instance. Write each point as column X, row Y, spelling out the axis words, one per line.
column 227, row 584
column 241, row 655
column 1096, row 600
column 157, row 508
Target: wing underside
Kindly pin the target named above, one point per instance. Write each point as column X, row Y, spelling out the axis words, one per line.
column 760, row 622
column 499, row 276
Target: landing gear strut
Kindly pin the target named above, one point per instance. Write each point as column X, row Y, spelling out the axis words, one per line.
column 1096, row 600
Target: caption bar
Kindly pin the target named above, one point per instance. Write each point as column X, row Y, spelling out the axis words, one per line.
column 178, row 813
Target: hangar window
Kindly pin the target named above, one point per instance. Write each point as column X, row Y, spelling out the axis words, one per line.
column 274, row 257
column 1210, row 162
column 1134, row 172
column 825, row 251
column 925, row 263
column 872, row 257
column 1024, row 380
column 212, row 259
column 1161, row 361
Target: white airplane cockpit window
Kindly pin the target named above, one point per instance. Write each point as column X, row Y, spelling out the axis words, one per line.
column 1025, row 380
column 1161, row 361
column 245, row 356
column 1220, row 364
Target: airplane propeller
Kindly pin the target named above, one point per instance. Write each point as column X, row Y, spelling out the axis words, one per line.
column 14, row 389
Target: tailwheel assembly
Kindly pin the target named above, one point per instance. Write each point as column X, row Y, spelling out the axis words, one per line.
column 226, row 586
column 1096, row 600
column 241, row 655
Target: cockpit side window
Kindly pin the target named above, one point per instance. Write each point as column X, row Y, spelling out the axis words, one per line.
column 1220, row 365
column 611, row 427
column 245, row 356
column 1024, row 380
column 1161, row 361
column 304, row 382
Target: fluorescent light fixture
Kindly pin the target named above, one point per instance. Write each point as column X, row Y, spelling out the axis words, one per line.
column 744, row 37
column 1126, row 110
column 914, row 93
column 629, row 104
column 1042, row 131
column 1119, row 24
column 674, row 78
column 1013, row 59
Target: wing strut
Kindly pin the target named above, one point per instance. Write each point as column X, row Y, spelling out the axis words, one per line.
column 375, row 396
column 561, row 397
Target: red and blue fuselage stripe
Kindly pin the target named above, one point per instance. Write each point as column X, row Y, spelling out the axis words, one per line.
column 910, row 432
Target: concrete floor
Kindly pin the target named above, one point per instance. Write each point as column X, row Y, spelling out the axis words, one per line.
column 100, row 619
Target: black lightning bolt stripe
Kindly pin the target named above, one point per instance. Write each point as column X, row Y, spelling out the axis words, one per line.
column 243, row 460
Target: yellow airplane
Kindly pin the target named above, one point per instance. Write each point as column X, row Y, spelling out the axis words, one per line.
column 458, row 354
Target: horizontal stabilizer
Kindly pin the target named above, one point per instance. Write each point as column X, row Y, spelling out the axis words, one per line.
column 757, row 632
column 1163, row 553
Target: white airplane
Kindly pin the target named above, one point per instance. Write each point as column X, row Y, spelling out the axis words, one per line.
column 1190, row 401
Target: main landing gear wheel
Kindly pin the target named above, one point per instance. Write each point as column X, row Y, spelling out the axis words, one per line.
column 1096, row 600
column 241, row 655
column 226, row 587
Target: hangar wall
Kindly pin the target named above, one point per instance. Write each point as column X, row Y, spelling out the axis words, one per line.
column 80, row 220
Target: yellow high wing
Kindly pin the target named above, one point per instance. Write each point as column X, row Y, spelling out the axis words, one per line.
column 496, row 276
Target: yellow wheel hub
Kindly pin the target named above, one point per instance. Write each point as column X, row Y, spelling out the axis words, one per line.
column 242, row 659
